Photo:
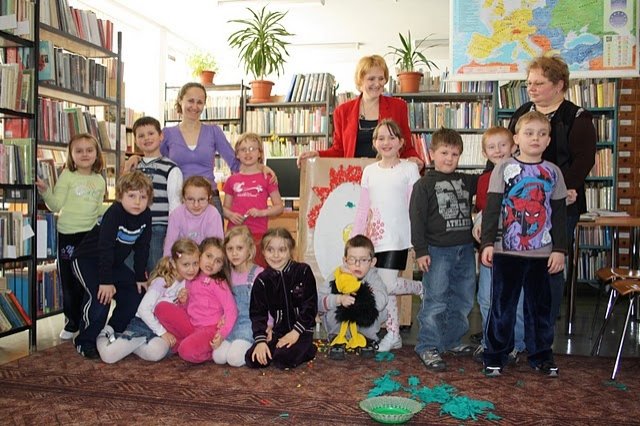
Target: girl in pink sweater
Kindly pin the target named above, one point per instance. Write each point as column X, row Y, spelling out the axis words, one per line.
column 208, row 316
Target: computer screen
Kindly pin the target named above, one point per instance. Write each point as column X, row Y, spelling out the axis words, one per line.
column 288, row 176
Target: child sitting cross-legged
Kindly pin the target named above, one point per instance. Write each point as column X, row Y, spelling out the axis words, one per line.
column 353, row 301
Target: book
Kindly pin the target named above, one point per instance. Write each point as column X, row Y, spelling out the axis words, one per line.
column 10, row 311
column 16, row 304
column 592, row 215
column 46, row 62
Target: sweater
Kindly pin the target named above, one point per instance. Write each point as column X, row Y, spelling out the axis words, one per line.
column 209, row 300
column 184, row 224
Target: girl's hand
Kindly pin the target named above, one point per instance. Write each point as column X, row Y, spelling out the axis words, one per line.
column 253, row 212
column 216, row 342
column 141, row 285
column 288, row 339
column 424, row 262
column 305, row 155
column 261, row 353
column 269, row 173
column 487, row 256
column 106, row 293
column 269, row 333
column 418, row 161
column 235, row 218
column 346, row 300
column 556, row 262
column 183, row 295
column 42, row 185
column 169, row 338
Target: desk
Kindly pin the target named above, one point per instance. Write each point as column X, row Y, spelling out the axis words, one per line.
column 615, row 222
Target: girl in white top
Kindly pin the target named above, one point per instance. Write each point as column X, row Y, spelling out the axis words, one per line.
column 383, row 215
column 145, row 336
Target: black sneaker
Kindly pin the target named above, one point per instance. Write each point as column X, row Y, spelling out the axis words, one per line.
column 548, row 368
column 492, row 371
column 89, row 352
column 369, row 351
column 337, row 352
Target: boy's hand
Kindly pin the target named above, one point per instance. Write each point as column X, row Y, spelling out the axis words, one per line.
column 261, row 353
column 556, row 262
column 418, row 161
column 141, row 285
column 424, row 262
column 477, row 232
column 288, row 339
column 572, row 196
column 106, row 293
column 131, row 164
column 216, row 341
column 169, row 338
column 42, row 185
column 487, row 256
column 346, row 300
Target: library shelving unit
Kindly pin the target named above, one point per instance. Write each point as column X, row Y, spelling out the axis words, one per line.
column 470, row 111
column 70, row 104
column 18, row 69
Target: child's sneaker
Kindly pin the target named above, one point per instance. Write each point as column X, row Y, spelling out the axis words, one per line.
column 109, row 333
column 66, row 334
column 513, row 357
column 337, row 352
column 390, row 341
column 462, row 350
column 492, row 371
column 548, row 368
column 89, row 352
column 369, row 351
column 432, row 360
column 478, row 353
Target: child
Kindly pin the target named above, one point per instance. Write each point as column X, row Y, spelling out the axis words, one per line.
column 77, row 197
column 144, row 335
column 210, row 311
column 99, row 261
column 247, row 192
column 383, row 215
column 241, row 250
column 365, row 308
column 527, row 199
column 497, row 145
column 196, row 219
column 441, row 234
column 167, row 182
column 286, row 290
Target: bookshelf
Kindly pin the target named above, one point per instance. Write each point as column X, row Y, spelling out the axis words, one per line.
column 18, row 127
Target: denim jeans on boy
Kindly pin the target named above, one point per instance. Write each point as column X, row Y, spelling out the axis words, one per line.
column 484, row 301
column 449, row 288
column 156, row 246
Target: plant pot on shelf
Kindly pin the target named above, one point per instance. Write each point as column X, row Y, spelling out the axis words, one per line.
column 409, row 81
column 260, row 91
column 206, row 77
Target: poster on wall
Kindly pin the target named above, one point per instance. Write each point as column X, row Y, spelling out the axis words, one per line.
column 496, row 39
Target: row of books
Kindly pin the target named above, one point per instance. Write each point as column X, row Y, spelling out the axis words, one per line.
column 471, row 154
column 314, row 87
column 16, row 155
column 129, row 116
column 603, row 166
column 16, row 88
column 588, row 93
column 595, row 236
column 599, row 196
column 293, row 147
column 455, row 115
column 440, row 84
column 16, row 17
column 12, row 314
column 590, row 261
column 80, row 23
column 48, row 289
column 15, row 234
column 604, row 127
column 217, row 107
column 512, row 95
column 287, row 120
column 47, row 243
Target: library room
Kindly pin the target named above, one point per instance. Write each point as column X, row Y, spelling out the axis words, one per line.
column 197, row 208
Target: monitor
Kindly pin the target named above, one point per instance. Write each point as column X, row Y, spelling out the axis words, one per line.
column 288, row 175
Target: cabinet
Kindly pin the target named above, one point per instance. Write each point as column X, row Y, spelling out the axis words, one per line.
column 18, row 123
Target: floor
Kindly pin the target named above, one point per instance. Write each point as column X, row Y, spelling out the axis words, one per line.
column 16, row 346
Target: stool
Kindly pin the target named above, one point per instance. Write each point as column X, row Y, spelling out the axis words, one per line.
column 624, row 287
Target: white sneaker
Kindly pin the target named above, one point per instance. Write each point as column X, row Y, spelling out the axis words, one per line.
column 390, row 341
column 109, row 333
column 66, row 335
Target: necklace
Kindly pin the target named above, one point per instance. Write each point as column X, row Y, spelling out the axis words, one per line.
column 363, row 109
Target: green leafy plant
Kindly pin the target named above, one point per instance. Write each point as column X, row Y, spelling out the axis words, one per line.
column 261, row 43
column 409, row 57
column 200, row 61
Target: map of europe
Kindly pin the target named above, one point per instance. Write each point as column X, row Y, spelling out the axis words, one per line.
column 495, row 39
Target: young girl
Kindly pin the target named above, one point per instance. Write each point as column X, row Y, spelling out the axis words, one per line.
column 240, row 251
column 286, row 290
column 209, row 313
column 145, row 336
column 383, row 215
column 78, row 197
column 196, row 219
column 247, row 192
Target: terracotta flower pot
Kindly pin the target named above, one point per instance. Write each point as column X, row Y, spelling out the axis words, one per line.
column 206, row 77
column 260, row 91
column 409, row 81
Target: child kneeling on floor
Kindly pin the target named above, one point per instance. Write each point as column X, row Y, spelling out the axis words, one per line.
column 353, row 300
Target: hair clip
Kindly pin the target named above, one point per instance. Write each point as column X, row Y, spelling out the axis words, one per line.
column 178, row 255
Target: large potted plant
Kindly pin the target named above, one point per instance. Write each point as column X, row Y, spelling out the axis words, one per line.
column 408, row 58
column 263, row 49
column 203, row 65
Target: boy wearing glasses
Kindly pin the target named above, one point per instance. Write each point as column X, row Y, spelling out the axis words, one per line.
column 353, row 300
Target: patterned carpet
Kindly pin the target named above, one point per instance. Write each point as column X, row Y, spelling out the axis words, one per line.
column 57, row 386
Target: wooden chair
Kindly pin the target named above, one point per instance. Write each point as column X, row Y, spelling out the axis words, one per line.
column 605, row 276
column 630, row 288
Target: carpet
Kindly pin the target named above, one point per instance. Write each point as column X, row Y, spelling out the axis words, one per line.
column 57, row 386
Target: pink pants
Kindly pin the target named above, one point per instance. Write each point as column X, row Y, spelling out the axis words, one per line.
column 193, row 344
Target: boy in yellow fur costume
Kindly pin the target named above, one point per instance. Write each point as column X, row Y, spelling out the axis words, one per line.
column 353, row 301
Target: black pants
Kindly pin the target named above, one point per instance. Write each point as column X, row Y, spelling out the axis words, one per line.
column 302, row 351
column 72, row 290
column 94, row 313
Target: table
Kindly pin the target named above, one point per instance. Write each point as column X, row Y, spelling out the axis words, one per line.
column 615, row 222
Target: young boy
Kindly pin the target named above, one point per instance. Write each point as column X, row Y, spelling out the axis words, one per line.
column 167, row 182
column 366, row 307
column 99, row 261
column 497, row 145
column 440, row 211
column 526, row 200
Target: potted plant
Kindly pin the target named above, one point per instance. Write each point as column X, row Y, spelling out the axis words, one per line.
column 203, row 65
column 263, row 49
column 408, row 58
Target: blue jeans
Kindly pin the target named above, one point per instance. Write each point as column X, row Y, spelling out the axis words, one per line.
column 156, row 246
column 484, row 301
column 448, row 287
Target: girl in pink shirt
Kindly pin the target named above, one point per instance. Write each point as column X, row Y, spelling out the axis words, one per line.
column 210, row 312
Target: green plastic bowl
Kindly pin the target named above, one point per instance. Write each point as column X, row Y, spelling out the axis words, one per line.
column 391, row 409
